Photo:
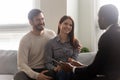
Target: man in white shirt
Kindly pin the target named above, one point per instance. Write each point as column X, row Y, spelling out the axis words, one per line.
column 31, row 49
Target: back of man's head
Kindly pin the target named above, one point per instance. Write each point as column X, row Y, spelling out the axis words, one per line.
column 110, row 13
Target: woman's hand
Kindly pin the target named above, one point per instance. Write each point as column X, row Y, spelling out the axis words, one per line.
column 74, row 62
column 58, row 68
column 66, row 66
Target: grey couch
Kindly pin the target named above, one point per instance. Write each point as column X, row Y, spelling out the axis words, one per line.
column 8, row 62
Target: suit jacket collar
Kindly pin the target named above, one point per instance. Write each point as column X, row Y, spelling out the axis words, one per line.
column 109, row 27
column 112, row 26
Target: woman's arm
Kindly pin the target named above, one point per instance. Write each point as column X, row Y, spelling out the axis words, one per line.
column 49, row 55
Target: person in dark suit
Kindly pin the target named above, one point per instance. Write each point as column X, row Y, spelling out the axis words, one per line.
column 106, row 65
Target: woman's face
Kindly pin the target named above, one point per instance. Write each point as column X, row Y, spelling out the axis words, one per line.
column 66, row 26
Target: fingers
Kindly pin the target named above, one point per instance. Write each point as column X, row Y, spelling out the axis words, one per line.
column 70, row 60
column 66, row 66
column 42, row 76
column 44, row 71
column 58, row 68
column 74, row 62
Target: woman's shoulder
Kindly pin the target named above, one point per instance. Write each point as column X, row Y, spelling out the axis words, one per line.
column 49, row 31
column 51, row 41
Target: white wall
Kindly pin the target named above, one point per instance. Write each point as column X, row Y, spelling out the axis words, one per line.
column 73, row 10
column 53, row 11
column 87, row 24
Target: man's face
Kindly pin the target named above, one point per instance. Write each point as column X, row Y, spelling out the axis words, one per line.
column 38, row 22
column 103, row 21
column 100, row 21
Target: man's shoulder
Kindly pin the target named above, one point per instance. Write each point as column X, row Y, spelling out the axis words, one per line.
column 50, row 32
column 26, row 37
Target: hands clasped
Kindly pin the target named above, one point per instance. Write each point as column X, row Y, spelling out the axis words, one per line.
column 68, row 66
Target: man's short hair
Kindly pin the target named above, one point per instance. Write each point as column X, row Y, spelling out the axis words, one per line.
column 110, row 12
column 33, row 13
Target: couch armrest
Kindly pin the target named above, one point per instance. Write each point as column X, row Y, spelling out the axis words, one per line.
column 8, row 61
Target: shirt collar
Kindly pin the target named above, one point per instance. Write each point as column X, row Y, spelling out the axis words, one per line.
column 109, row 26
column 58, row 39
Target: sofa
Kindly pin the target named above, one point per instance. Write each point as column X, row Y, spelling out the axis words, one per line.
column 8, row 62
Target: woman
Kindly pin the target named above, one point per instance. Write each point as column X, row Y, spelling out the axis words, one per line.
column 64, row 47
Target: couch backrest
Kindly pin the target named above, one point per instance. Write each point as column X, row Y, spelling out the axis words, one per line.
column 87, row 58
column 8, row 61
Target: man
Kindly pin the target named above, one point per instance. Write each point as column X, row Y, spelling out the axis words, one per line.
column 31, row 49
column 106, row 65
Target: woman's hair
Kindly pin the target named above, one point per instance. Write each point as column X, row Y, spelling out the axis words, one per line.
column 74, row 42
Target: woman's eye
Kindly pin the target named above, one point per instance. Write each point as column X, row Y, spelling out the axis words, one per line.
column 66, row 23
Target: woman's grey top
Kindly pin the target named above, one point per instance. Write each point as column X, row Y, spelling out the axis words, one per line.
column 59, row 51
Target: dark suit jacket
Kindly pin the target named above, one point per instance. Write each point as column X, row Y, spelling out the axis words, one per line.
column 107, row 60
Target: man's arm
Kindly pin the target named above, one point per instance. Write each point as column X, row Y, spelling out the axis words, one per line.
column 23, row 59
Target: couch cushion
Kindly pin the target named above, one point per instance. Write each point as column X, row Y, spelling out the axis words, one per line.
column 6, row 77
column 8, row 62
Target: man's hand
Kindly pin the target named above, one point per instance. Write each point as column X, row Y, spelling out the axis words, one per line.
column 74, row 62
column 42, row 76
column 66, row 66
